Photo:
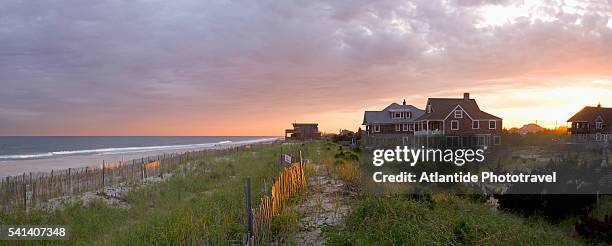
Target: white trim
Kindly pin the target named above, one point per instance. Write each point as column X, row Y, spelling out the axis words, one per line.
column 477, row 121
column 376, row 128
column 405, row 127
column 454, row 129
column 600, row 121
column 460, row 116
column 494, row 121
column 398, row 127
column 482, row 137
column 411, row 127
column 453, row 111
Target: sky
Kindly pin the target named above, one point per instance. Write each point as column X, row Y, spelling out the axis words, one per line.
column 192, row 67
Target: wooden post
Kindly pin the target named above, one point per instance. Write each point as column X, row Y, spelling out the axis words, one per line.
column 86, row 179
column 103, row 165
column 69, row 181
column 247, row 206
column 25, row 192
column 51, row 184
column 33, row 188
column 142, row 167
column 281, row 155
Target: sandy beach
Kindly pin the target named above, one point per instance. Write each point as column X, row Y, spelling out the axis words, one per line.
column 16, row 167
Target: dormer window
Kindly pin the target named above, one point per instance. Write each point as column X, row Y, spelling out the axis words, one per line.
column 458, row 114
column 598, row 125
column 401, row 115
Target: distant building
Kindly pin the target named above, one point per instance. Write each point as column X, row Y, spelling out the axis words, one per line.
column 303, row 131
column 530, row 128
column 394, row 119
column 591, row 124
column 345, row 132
column 456, row 122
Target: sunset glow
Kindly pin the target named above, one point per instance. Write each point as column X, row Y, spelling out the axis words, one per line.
column 227, row 68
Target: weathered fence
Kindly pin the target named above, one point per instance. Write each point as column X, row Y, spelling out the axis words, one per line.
column 290, row 182
column 30, row 189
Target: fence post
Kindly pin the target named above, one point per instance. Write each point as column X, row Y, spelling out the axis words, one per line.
column 69, row 182
column 25, row 192
column 247, row 206
column 103, row 165
column 33, row 185
column 86, row 179
column 142, row 168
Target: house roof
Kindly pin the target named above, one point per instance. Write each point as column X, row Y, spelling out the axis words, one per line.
column 442, row 107
column 590, row 114
column 384, row 116
column 305, row 124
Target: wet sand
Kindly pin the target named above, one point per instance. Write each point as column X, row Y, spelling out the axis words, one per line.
column 16, row 167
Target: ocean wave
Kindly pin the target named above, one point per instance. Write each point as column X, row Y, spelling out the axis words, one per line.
column 128, row 150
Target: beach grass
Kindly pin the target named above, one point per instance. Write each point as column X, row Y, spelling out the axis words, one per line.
column 203, row 206
column 404, row 220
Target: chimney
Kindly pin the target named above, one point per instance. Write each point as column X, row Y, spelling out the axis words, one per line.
column 599, row 104
column 466, row 96
column 404, row 103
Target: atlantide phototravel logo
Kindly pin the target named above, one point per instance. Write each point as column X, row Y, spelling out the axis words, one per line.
column 458, row 157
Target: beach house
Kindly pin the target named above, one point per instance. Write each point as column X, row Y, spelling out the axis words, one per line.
column 456, row 122
column 591, row 124
column 303, row 131
column 394, row 119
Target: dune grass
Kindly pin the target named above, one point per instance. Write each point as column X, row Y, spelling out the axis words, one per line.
column 402, row 220
column 204, row 206
column 379, row 219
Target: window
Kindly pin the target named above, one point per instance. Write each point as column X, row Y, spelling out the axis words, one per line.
column 496, row 140
column 492, row 124
column 397, row 115
column 428, row 108
column 409, row 115
column 376, row 128
column 481, row 140
column 454, row 125
column 475, row 124
column 411, row 127
column 458, row 114
column 405, row 127
column 598, row 125
column 398, row 127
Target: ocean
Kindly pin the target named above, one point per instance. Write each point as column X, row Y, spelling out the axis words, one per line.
column 32, row 148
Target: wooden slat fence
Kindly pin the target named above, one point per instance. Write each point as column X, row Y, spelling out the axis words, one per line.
column 290, row 182
column 30, row 189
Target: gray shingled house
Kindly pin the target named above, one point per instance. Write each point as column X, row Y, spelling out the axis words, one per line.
column 394, row 119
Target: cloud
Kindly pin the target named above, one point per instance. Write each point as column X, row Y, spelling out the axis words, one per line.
column 176, row 62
